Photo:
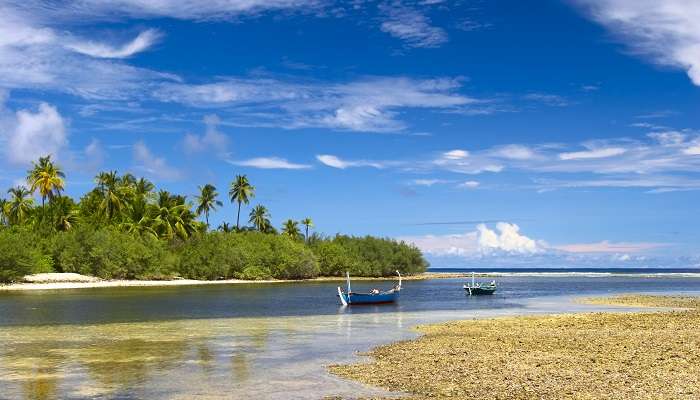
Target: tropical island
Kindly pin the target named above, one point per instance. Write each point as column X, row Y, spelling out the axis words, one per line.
column 124, row 228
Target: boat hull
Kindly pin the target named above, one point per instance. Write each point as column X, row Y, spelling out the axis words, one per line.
column 480, row 291
column 368, row 298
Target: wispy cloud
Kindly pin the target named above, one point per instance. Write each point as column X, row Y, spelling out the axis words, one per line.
column 411, row 25
column 153, row 165
column 610, row 247
column 212, row 140
column 336, row 162
column 666, row 31
column 593, row 153
column 548, row 99
column 270, row 163
column 33, row 55
column 142, row 42
column 469, row 185
column 369, row 104
column 147, row 9
column 663, row 161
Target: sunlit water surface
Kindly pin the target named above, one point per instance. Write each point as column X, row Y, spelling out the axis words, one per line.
column 267, row 341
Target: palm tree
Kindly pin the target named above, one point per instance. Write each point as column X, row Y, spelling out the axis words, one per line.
column 225, row 227
column 206, row 201
column 113, row 194
column 128, row 180
column 176, row 220
column 291, row 228
column 143, row 187
column 20, row 205
column 64, row 213
column 241, row 191
column 4, row 211
column 308, row 223
column 260, row 218
column 46, row 177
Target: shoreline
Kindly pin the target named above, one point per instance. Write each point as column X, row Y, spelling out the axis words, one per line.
column 596, row 355
column 97, row 284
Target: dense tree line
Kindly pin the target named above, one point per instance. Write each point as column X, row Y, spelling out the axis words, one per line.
column 126, row 229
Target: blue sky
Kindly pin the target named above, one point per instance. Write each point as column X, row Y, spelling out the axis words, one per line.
column 549, row 133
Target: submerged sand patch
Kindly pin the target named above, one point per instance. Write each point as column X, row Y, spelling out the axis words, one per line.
column 647, row 355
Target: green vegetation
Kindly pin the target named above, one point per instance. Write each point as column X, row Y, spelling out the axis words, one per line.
column 125, row 229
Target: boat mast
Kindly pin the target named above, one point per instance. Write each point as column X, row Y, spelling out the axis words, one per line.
column 347, row 275
column 473, row 281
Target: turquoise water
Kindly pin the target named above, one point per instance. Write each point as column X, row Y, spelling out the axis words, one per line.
column 267, row 341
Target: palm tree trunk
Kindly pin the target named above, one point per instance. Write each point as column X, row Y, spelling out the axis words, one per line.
column 206, row 216
column 238, row 217
column 306, row 238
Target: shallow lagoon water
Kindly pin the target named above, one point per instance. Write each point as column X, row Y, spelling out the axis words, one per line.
column 269, row 341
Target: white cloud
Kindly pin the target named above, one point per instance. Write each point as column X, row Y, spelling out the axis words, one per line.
column 187, row 10
column 469, row 185
column 455, row 154
column 692, row 150
column 412, row 26
column 656, row 183
column 369, row 104
column 270, row 163
column 335, row 162
column 33, row 134
column 610, row 247
column 211, row 140
column 507, row 246
column 514, row 152
column 665, row 31
column 506, row 238
column 152, row 165
column 35, row 56
column 593, row 153
column 461, row 161
column 668, row 138
column 428, row 182
column 143, row 41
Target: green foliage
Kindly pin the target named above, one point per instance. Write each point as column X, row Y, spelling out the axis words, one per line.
column 245, row 255
column 367, row 256
column 334, row 259
column 19, row 255
column 111, row 254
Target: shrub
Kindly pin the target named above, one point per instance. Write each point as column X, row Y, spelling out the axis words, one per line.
column 19, row 255
column 110, row 254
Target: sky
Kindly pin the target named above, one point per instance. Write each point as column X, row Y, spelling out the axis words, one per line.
column 555, row 133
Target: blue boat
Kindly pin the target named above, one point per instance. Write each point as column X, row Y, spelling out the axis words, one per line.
column 478, row 289
column 374, row 297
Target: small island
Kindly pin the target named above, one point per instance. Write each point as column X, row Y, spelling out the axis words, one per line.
column 125, row 229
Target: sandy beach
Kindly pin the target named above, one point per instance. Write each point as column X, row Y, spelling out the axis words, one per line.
column 56, row 281
column 644, row 355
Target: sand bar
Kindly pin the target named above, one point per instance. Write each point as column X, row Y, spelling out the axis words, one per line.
column 641, row 355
